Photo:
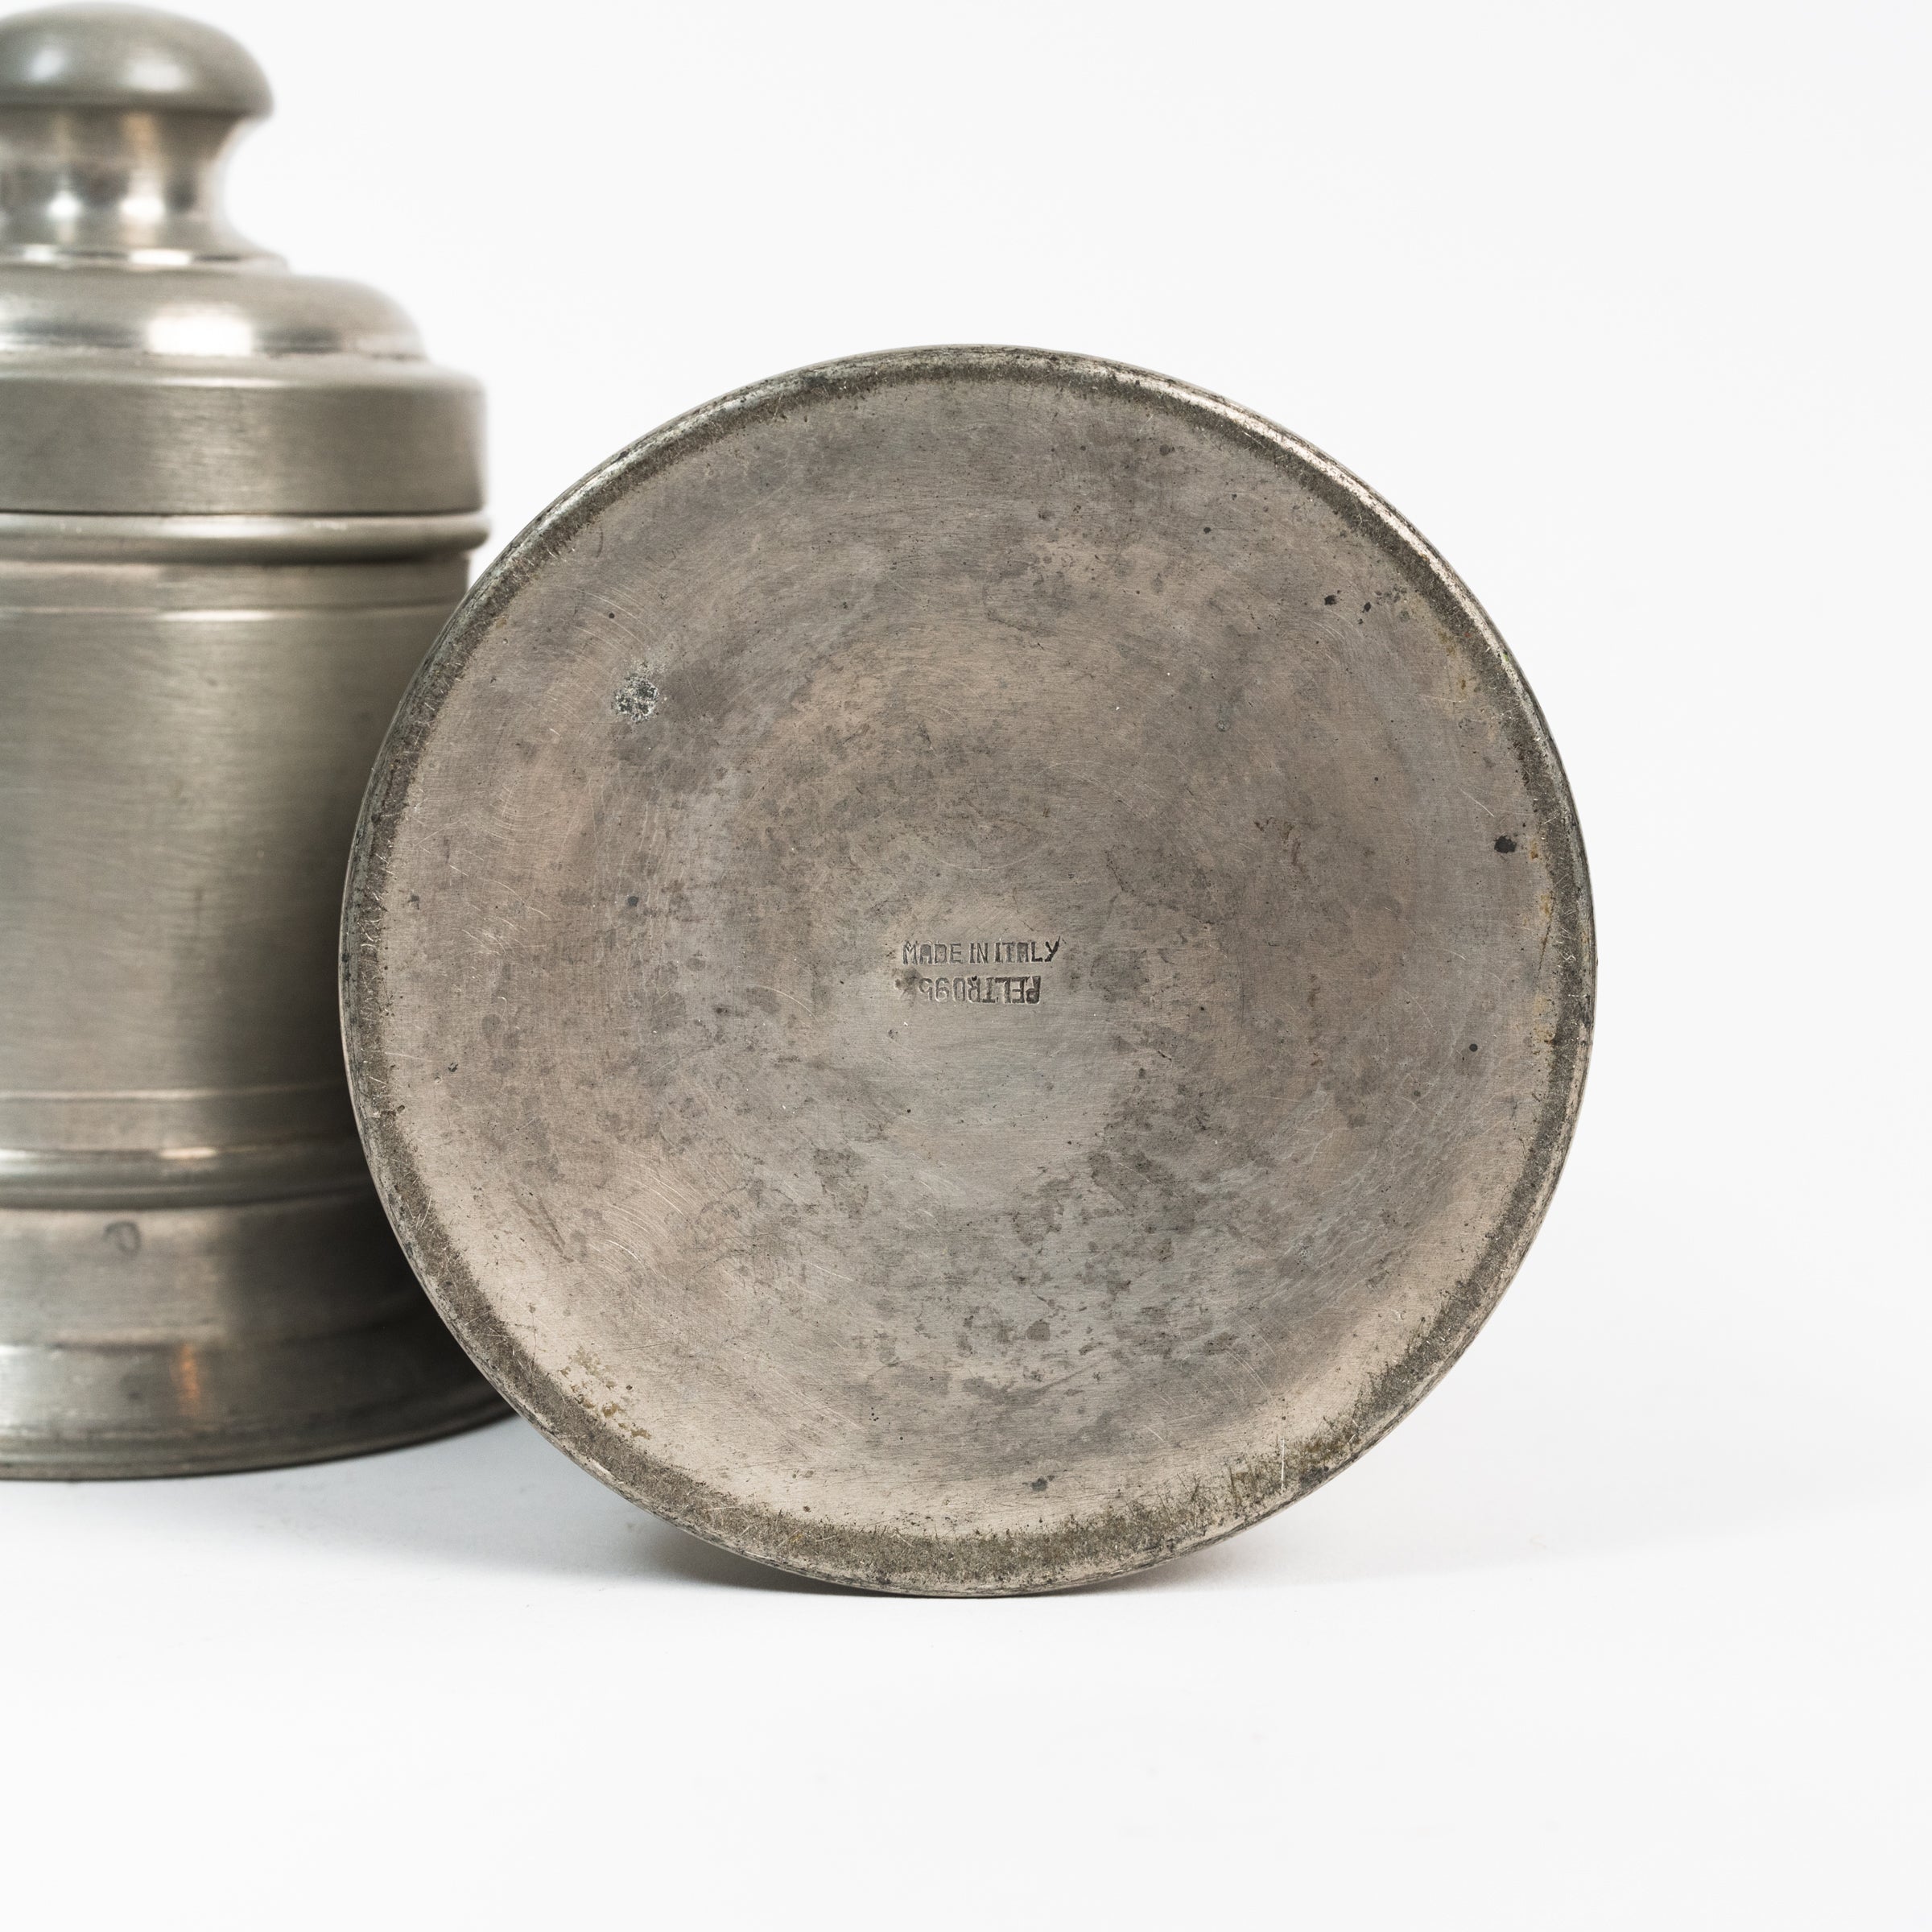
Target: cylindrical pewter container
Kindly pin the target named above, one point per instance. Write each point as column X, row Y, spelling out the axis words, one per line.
column 235, row 507
column 967, row 969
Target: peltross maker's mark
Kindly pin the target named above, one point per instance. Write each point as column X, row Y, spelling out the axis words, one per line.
column 985, row 989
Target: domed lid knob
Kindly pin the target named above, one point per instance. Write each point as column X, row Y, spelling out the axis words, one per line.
column 153, row 362
column 114, row 122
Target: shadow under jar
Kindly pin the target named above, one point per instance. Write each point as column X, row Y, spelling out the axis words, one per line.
column 235, row 508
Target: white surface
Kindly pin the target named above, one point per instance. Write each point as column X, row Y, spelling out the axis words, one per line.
column 1626, row 307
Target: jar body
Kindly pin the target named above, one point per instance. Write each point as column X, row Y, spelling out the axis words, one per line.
column 195, row 1270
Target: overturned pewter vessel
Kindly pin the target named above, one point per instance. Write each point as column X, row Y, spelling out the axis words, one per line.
column 968, row 969
column 235, row 505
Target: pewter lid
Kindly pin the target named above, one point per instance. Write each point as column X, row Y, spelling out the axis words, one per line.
column 967, row 968
column 152, row 360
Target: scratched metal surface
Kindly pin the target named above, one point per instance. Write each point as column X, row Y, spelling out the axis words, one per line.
column 967, row 969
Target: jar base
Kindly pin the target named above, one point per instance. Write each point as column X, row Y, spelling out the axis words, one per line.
column 188, row 1341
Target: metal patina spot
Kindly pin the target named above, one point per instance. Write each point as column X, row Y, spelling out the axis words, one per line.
column 637, row 697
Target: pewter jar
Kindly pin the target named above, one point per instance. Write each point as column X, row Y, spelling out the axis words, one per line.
column 235, row 507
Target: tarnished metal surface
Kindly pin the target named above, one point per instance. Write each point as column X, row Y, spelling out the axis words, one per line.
column 967, row 969
column 195, row 1273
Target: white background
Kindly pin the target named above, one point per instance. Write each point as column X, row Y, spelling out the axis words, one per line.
column 1627, row 307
